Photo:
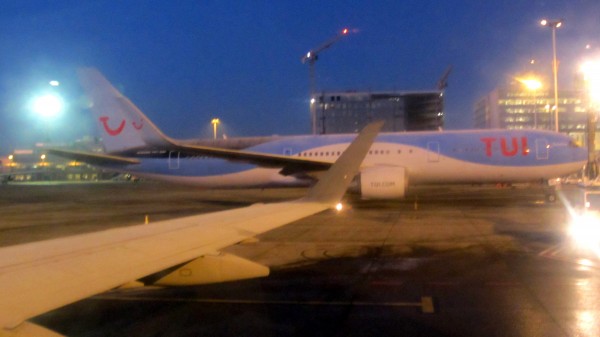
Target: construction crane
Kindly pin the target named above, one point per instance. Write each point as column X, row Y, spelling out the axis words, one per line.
column 443, row 81
column 311, row 58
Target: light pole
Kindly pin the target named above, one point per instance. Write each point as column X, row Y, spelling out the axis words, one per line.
column 553, row 25
column 215, row 122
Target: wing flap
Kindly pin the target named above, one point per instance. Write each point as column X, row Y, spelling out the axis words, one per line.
column 213, row 269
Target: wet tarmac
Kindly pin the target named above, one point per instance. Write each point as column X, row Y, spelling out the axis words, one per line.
column 447, row 261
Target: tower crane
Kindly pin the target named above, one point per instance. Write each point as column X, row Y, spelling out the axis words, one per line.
column 311, row 58
column 443, row 81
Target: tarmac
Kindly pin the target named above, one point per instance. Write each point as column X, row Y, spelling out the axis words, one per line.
column 445, row 261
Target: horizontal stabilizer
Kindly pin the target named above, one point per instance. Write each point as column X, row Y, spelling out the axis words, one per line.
column 213, row 269
column 93, row 158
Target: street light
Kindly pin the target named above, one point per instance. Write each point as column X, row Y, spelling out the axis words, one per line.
column 591, row 76
column 215, row 122
column 553, row 25
column 48, row 105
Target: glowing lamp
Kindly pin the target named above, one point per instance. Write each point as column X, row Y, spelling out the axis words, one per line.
column 531, row 83
column 591, row 73
column 215, row 122
column 551, row 24
column 47, row 106
column 585, row 232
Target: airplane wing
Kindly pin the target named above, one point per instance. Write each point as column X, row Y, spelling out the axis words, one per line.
column 93, row 158
column 41, row 276
column 288, row 164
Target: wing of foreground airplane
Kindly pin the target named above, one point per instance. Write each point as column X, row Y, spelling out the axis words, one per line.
column 41, row 276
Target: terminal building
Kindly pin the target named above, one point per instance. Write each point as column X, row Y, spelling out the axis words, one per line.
column 515, row 107
column 35, row 165
column 349, row 112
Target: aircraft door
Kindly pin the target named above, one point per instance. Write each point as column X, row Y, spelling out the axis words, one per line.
column 173, row 160
column 541, row 149
column 433, row 152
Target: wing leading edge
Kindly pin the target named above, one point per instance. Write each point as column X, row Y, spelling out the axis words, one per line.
column 41, row 276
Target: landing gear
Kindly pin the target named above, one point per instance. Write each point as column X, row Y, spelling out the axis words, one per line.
column 550, row 190
column 590, row 170
column 551, row 196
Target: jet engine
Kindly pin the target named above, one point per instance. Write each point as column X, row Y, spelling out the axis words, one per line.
column 382, row 183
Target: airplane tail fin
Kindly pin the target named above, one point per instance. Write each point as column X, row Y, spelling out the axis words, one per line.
column 122, row 125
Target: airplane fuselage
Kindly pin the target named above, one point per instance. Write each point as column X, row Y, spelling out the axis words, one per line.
column 395, row 161
column 478, row 156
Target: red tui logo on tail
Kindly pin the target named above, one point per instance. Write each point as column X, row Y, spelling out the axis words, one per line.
column 109, row 130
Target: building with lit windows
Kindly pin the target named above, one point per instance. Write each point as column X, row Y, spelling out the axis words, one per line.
column 34, row 164
column 348, row 112
column 514, row 107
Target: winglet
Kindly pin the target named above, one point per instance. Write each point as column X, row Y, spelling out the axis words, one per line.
column 333, row 184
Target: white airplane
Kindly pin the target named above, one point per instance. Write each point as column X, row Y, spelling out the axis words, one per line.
column 135, row 145
column 41, row 276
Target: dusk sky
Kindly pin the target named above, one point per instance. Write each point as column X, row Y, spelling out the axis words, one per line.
column 185, row 62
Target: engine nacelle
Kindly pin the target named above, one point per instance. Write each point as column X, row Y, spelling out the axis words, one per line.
column 383, row 183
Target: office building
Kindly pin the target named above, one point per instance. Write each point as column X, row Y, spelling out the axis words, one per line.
column 515, row 107
column 348, row 112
